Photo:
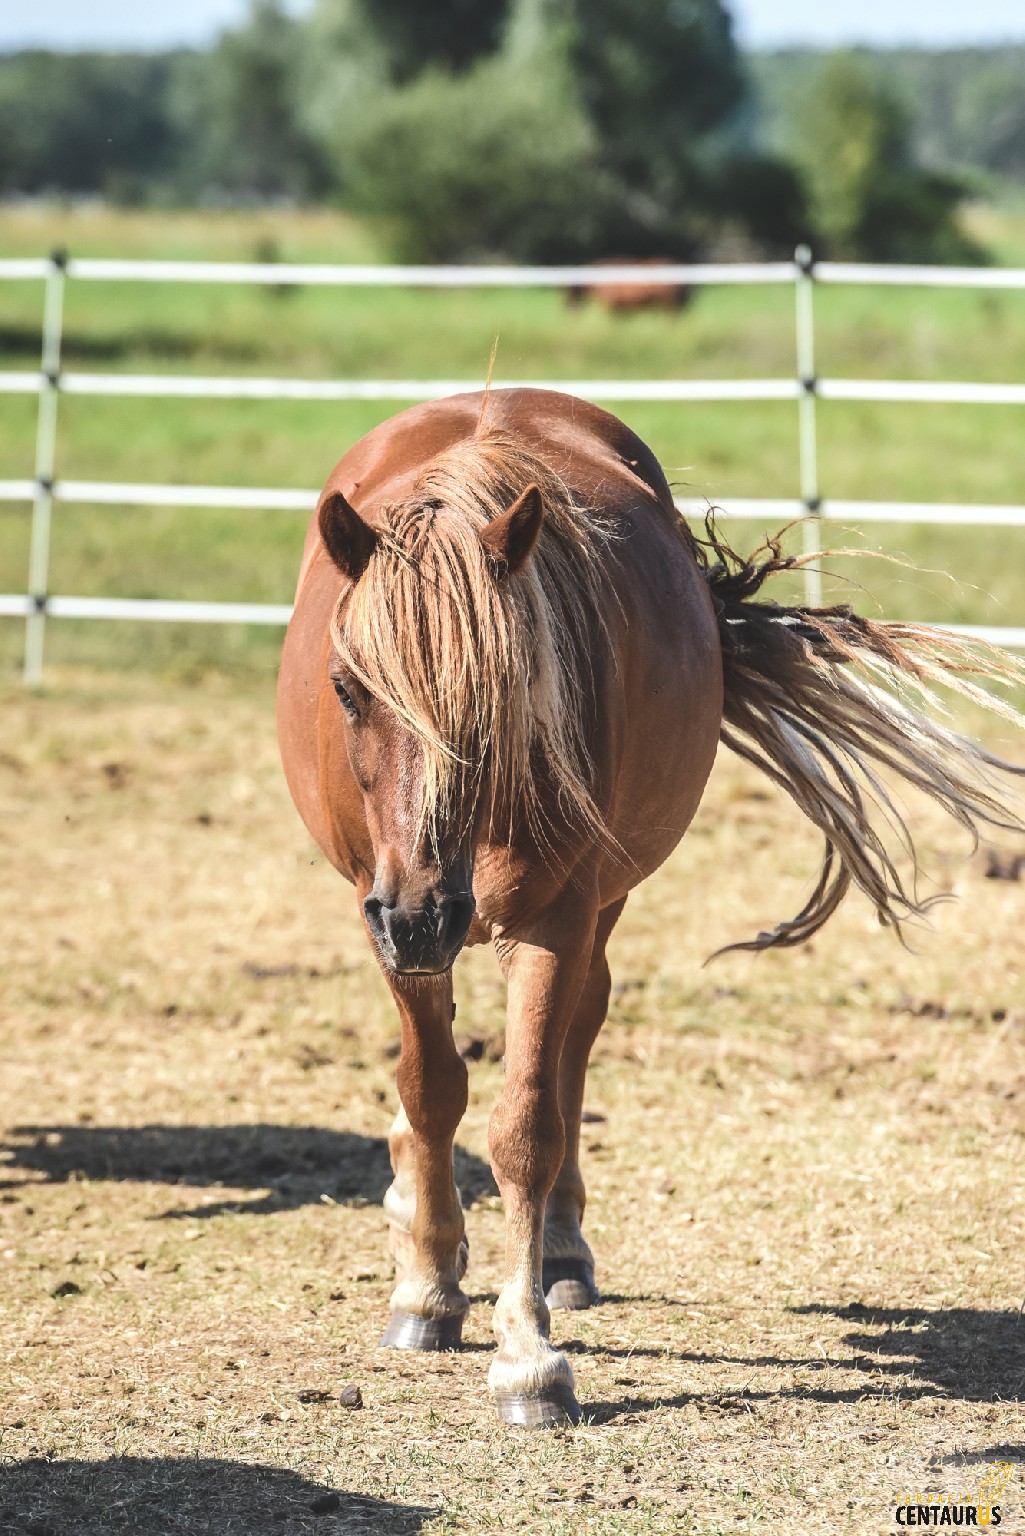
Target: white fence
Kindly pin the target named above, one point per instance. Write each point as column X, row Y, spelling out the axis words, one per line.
column 804, row 388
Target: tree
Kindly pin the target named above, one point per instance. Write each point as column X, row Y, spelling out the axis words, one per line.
column 595, row 128
column 992, row 119
column 451, row 34
column 496, row 159
column 656, row 76
column 868, row 199
column 965, row 107
column 236, row 108
column 86, row 123
column 665, row 88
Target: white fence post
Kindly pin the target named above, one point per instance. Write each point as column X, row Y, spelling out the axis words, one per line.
column 46, row 459
column 808, row 445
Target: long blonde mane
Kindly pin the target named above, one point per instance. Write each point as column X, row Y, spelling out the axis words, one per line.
column 492, row 675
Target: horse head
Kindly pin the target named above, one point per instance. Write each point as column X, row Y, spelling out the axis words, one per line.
column 413, row 671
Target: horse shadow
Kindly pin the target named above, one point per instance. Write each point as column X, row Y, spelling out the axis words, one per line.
column 960, row 1354
column 155, row 341
column 966, row 1353
column 292, row 1166
column 136, row 1495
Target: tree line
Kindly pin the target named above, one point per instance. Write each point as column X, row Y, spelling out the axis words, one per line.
column 551, row 130
column 964, row 107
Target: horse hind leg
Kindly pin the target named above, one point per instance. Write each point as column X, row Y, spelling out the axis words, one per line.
column 567, row 1271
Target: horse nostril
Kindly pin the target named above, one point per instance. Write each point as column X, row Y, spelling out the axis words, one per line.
column 373, row 906
column 454, row 918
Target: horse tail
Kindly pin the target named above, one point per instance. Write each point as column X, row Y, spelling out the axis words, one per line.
column 824, row 702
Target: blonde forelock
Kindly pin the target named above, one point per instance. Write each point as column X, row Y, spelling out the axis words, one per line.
column 491, row 675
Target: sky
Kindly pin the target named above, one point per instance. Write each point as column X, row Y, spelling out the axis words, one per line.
column 883, row 23
column 155, row 24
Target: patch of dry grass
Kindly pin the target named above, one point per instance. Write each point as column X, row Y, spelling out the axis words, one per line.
column 805, row 1174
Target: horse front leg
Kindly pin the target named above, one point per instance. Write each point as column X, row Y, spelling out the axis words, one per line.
column 424, row 1210
column 400, row 1198
column 567, row 1271
column 532, row 1383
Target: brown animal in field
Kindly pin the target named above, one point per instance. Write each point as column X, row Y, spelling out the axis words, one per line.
column 502, row 690
column 623, row 298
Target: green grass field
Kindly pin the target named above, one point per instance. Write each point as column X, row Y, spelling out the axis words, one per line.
column 914, row 453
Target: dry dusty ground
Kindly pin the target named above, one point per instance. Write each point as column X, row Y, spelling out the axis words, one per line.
column 805, row 1172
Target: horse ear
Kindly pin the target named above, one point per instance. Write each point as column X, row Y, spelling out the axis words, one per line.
column 510, row 539
column 349, row 540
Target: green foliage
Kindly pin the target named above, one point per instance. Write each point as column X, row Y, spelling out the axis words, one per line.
column 655, row 76
column 495, row 159
column 664, row 87
column 605, row 129
column 868, row 199
column 136, row 127
column 532, row 129
column 85, row 123
column 992, row 115
column 965, row 106
column 236, row 112
column 761, row 194
column 448, row 33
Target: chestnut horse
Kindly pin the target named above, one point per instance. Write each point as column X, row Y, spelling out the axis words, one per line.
column 626, row 298
column 501, row 694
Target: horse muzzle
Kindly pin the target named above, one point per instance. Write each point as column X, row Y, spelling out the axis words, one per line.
column 423, row 941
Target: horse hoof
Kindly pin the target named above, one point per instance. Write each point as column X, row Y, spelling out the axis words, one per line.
column 558, row 1409
column 569, row 1285
column 407, row 1331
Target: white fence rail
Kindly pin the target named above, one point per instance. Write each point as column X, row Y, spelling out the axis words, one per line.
column 804, row 388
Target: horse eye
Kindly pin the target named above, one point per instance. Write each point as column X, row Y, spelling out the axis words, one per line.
column 344, row 698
